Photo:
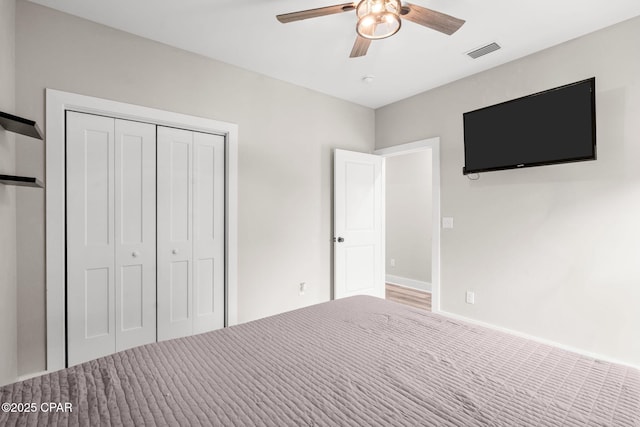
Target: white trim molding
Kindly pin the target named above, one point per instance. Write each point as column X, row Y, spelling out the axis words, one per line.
column 57, row 103
column 31, row 375
column 536, row 339
column 432, row 144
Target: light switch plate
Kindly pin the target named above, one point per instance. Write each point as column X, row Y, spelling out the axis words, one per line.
column 447, row 222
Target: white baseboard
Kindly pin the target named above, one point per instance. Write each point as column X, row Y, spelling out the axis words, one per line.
column 408, row 283
column 31, row 375
column 538, row 339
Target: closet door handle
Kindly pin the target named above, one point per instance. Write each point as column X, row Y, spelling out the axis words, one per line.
column 174, row 251
column 135, row 254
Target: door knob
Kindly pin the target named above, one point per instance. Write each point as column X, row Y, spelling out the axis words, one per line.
column 174, row 251
column 135, row 254
column 340, row 239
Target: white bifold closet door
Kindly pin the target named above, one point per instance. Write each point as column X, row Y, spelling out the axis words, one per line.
column 111, row 235
column 190, row 232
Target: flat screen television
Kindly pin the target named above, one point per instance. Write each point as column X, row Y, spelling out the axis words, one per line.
column 550, row 127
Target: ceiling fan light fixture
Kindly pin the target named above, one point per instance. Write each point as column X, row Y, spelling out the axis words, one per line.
column 378, row 19
column 367, row 22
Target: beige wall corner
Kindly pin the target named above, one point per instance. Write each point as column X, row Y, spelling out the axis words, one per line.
column 8, row 283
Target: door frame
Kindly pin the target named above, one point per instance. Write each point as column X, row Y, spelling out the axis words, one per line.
column 432, row 144
column 57, row 103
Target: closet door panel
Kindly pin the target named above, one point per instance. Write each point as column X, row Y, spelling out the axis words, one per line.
column 208, row 218
column 91, row 331
column 131, row 312
column 98, row 320
column 179, row 175
column 175, row 232
column 135, row 231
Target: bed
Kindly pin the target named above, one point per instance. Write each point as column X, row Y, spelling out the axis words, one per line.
column 358, row 361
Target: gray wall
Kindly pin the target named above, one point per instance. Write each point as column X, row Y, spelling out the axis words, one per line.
column 408, row 216
column 7, row 198
column 285, row 154
column 550, row 251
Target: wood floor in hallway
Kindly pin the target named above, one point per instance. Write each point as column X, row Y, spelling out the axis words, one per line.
column 413, row 297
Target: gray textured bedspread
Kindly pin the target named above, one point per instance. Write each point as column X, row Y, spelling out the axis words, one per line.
column 359, row 361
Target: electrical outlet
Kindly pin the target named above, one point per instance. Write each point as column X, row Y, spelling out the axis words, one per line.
column 470, row 297
column 392, row 262
column 302, row 287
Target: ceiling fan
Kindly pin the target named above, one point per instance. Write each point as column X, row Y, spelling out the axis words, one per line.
column 378, row 19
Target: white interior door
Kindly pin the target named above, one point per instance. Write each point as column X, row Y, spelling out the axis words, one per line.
column 358, row 224
column 175, row 233
column 91, row 331
column 135, row 233
column 190, row 232
column 110, row 235
column 208, row 232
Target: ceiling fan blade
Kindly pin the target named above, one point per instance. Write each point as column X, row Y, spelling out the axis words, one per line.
column 360, row 47
column 314, row 13
column 430, row 18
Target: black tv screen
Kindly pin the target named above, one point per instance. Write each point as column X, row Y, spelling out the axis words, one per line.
column 554, row 126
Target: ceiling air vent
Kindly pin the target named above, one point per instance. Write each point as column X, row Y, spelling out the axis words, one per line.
column 481, row 51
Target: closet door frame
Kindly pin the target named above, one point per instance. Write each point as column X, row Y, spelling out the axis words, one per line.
column 57, row 103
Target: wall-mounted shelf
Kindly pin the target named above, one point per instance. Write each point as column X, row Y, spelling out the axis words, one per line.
column 22, row 181
column 20, row 125
column 23, row 127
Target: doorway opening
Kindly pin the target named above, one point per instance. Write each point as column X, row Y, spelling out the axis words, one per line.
column 412, row 219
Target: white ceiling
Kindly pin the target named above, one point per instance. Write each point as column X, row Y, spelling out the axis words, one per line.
column 315, row 53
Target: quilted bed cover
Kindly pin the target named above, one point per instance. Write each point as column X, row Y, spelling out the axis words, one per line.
column 359, row 361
